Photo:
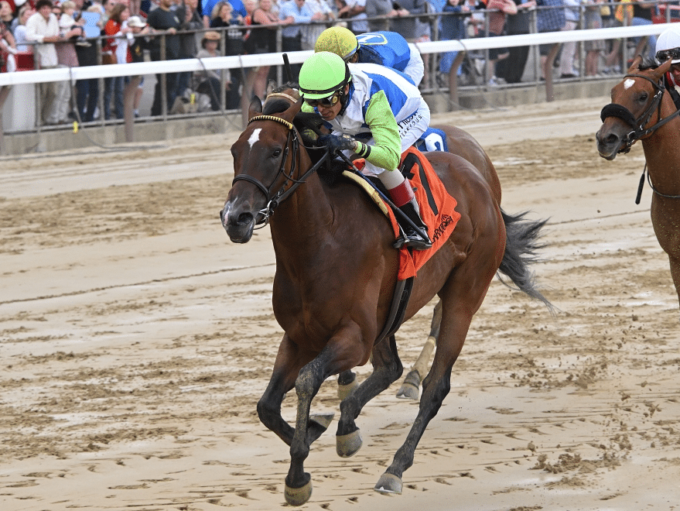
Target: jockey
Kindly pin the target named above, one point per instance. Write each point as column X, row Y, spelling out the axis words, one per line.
column 376, row 113
column 668, row 46
column 386, row 48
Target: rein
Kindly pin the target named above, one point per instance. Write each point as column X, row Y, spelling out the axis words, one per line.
column 273, row 200
column 639, row 131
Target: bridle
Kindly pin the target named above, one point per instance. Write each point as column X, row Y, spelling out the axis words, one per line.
column 639, row 131
column 274, row 199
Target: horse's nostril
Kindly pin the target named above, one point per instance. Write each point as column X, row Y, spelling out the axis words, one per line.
column 612, row 139
column 245, row 218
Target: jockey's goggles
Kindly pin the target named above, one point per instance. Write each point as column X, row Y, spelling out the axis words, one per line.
column 330, row 101
column 664, row 55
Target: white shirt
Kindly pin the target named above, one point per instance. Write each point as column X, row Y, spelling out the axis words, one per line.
column 37, row 28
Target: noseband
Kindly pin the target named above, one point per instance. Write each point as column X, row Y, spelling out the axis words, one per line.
column 639, row 131
column 274, row 199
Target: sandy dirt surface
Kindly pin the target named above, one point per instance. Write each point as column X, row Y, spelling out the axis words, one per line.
column 135, row 341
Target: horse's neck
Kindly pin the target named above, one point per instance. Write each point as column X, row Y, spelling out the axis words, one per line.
column 300, row 224
column 662, row 152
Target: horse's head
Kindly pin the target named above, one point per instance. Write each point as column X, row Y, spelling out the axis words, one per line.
column 261, row 156
column 634, row 102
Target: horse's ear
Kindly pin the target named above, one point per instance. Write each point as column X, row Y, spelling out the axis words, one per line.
column 663, row 69
column 292, row 111
column 255, row 107
column 635, row 66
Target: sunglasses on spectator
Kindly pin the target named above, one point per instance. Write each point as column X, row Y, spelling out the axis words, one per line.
column 664, row 55
column 325, row 102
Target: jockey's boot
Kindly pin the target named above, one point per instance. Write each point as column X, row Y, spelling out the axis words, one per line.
column 404, row 198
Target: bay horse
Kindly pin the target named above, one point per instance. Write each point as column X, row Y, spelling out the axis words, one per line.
column 336, row 272
column 458, row 142
column 642, row 109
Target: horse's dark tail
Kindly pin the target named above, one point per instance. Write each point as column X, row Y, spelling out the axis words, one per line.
column 521, row 249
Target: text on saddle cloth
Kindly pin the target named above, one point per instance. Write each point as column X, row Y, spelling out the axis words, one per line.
column 437, row 208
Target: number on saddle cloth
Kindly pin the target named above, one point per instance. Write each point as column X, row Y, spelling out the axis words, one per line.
column 432, row 140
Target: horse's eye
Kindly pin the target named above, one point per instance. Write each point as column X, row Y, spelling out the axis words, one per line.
column 644, row 96
column 276, row 153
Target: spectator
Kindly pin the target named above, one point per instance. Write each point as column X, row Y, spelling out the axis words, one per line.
column 642, row 15
column 164, row 20
column 354, row 10
column 386, row 8
column 67, row 57
column 262, row 40
column 571, row 16
column 113, row 87
column 407, row 27
column 87, row 90
column 452, row 28
column 512, row 68
column 550, row 18
column 496, row 27
column 25, row 12
column 191, row 21
column 223, row 15
column 43, row 28
column 136, row 46
column 475, row 23
column 208, row 82
column 311, row 33
column 613, row 46
column 594, row 48
column 208, row 6
column 293, row 13
column 6, row 14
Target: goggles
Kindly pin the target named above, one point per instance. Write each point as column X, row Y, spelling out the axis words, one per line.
column 325, row 102
column 664, row 55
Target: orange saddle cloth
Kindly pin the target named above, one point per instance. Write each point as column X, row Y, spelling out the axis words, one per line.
column 437, row 209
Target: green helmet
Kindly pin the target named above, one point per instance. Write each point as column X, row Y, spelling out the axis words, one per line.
column 322, row 74
column 338, row 40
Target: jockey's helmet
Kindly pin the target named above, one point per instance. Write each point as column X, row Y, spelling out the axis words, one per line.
column 322, row 75
column 668, row 45
column 338, row 40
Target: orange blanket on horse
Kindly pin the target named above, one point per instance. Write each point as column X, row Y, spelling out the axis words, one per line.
column 437, row 209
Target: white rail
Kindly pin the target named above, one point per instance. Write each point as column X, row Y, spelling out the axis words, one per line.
column 274, row 59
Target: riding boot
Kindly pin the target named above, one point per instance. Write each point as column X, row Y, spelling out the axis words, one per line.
column 403, row 197
column 414, row 239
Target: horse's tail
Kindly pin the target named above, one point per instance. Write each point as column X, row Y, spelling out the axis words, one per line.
column 521, row 248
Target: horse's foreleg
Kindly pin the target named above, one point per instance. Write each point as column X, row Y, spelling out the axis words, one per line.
column 347, row 382
column 340, row 352
column 410, row 389
column 675, row 273
column 387, row 369
column 435, row 388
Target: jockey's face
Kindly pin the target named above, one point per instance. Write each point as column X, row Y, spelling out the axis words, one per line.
column 675, row 71
column 328, row 113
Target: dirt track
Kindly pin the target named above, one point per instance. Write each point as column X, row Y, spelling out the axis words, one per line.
column 135, row 340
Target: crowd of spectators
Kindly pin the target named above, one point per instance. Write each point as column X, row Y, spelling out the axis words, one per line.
column 91, row 32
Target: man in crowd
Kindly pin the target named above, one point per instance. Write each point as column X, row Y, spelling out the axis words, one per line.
column 292, row 12
column 164, row 19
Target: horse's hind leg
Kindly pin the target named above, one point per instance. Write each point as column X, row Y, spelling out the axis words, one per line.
column 410, row 389
column 387, row 369
column 347, row 382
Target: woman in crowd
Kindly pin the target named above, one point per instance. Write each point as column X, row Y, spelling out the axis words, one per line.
column 261, row 40
column 208, row 82
column 115, row 26
column 223, row 16
column 25, row 12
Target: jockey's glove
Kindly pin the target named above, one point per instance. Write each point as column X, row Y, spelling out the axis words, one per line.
column 341, row 143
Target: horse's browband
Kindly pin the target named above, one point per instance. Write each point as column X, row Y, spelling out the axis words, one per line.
column 271, row 118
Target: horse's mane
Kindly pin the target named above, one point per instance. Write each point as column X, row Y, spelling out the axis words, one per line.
column 274, row 104
column 648, row 63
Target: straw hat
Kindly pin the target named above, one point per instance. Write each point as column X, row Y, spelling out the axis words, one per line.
column 136, row 22
column 210, row 36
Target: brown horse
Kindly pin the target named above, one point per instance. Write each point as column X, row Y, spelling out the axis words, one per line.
column 335, row 276
column 642, row 109
column 461, row 143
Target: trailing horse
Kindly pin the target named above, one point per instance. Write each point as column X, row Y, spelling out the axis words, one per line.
column 336, row 272
column 642, row 109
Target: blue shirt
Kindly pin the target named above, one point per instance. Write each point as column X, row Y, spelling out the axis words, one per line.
column 300, row 15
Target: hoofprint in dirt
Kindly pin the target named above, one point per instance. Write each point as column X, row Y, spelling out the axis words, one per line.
column 135, row 341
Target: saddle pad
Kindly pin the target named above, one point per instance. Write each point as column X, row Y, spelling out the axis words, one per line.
column 437, row 209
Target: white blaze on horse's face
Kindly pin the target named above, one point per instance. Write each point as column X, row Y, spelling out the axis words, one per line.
column 254, row 137
column 628, row 83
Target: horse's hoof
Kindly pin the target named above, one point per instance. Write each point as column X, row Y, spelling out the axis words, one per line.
column 298, row 496
column 346, row 390
column 388, row 483
column 322, row 419
column 409, row 391
column 348, row 445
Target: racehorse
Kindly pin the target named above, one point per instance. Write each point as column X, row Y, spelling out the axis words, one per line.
column 642, row 109
column 458, row 142
column 336, row 271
